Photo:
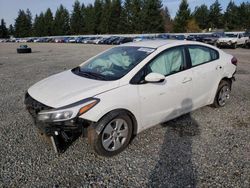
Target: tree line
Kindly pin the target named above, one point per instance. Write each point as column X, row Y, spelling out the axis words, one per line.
column 128, row 16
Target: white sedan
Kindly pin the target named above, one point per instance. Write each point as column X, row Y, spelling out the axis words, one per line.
column 127, row 89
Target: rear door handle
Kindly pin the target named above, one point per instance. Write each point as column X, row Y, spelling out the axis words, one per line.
column 185, row 80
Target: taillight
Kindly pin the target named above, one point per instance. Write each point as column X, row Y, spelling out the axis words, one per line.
column 234, row 61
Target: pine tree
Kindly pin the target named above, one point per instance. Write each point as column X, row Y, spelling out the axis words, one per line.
column 244, row 14
column 168, row 22
column 48, row 23
column 182, row 17
column 106, row 15
column 125, row 24
column 201, row 15
column 231, row 19
column 39, row 26
column 152, row 17
column 116, row 10
column 136, row 16
column 82, row 29
column 11, row 30
column 36, row 31
column 23, row 24
column 3, row 29
column 215, row 15
column 98, row 8
column 76, row 21
column 89, row 19
column 61, row 24
column 29, row 21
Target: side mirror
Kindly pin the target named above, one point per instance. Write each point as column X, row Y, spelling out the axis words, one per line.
column 239, row 36
column 154, row 77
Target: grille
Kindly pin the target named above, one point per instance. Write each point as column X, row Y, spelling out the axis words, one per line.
column 33, row 106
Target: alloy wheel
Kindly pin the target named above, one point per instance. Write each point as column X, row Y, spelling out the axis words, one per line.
column 114, row 134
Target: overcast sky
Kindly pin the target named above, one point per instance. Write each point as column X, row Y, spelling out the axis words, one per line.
column 9, row 8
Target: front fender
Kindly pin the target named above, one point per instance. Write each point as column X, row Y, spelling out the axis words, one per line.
column 118, row 98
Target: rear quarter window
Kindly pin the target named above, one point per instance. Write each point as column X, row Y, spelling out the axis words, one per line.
column 202, row 54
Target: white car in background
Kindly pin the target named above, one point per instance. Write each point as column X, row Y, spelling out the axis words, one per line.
column 127, row 89
column 232, row 40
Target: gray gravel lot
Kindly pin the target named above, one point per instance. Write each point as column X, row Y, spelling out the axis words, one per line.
column 207, row 148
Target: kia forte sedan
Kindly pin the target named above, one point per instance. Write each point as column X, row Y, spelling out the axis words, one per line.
column 115, row 95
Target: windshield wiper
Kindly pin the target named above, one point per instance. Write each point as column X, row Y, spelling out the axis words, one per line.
column 93, row 75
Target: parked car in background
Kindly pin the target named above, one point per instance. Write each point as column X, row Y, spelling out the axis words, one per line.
column 129, row 88
column 212, row 39
column 44, row 39
column 23, row 40
column 198, row 38
column 86, row 40
column 59, row 40
column 97, row 40
column 36, row 40
column 122, row 40
column 71, row 40
column 142, row 38
column 177, row 37
column 30, row 40
column 232, row 40
column 110, row 40
column 102, row 41
column 191, row 37
column 49, row 39
column 163, row 36
column 12, row 40
column 79, row 39
column 93, row 40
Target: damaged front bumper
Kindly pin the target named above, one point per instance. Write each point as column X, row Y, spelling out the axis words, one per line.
column 62, row 133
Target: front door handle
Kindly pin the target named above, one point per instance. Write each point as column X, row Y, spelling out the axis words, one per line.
column 185, row 80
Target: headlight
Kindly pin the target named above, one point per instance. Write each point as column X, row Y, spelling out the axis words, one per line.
column 54, row 116
column 68, row 112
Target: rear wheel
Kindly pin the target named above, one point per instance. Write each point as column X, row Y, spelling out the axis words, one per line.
column 223, row 94
column 115, row 135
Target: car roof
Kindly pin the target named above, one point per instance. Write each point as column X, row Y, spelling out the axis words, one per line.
column 158, row 43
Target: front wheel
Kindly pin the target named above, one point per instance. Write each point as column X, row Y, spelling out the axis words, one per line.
column 223, row 94
column 217, row 45
column 234, row 45
column 115, row 135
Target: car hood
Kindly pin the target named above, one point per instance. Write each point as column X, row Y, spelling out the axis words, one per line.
column 66, row 88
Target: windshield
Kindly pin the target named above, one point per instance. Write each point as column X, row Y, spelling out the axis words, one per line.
column 114, row 63
column 231, row 35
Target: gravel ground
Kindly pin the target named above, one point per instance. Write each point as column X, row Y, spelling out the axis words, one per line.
column 207, row 148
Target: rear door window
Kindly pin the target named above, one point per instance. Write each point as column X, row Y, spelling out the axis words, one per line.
column 202, row 54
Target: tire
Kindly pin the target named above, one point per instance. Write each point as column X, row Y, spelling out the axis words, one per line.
column 234, row 45
column 217, row 45
column 115, row 123
column 222, row 94
column 245, row 44
column 23, row 50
